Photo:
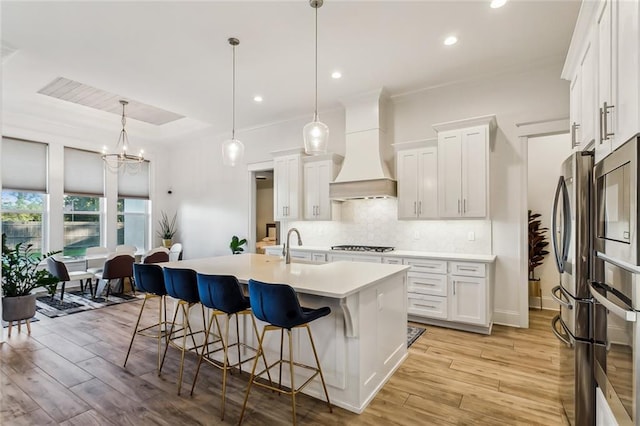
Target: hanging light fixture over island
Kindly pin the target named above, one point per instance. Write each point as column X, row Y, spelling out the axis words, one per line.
column 233, row 149
column 122, row 159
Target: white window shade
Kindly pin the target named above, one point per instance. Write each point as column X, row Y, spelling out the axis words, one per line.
column 134, row 185
column 83, row 172
column 24, row 165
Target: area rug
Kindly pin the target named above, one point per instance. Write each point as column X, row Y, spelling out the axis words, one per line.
column 413, row 333
column 76, row 301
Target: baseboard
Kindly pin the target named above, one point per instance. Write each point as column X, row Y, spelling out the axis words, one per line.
column 547, row 303
column 508, row 318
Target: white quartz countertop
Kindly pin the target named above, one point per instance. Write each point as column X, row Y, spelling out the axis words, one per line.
column 485, row 258
column 335, row 280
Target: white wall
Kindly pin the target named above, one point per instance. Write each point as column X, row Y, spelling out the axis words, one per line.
column 546, row 155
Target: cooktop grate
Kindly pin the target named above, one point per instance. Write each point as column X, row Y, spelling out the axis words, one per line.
column 350, row 247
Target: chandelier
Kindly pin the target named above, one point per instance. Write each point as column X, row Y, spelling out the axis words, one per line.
column 122, row 159
column 316, row 133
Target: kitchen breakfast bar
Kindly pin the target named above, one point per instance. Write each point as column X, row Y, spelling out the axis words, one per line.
column 360, row 344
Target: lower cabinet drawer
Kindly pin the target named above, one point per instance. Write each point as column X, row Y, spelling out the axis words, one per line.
column 431, row 284
column 427, row 265
column 428, row 306
column 467, row 269
column 300, row 255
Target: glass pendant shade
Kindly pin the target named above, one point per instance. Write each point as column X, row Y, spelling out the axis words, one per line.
column 316, row 137
column 232, row 152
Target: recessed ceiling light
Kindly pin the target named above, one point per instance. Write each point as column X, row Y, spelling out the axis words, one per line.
column 336, row 74
column 451, row 40
column 497, row 3
column 257, row 98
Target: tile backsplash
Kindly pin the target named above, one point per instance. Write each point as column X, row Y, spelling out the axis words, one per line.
column 375, row 222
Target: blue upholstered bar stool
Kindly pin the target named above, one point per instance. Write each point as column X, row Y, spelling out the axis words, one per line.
column 150, row 280
column 223, row 295
column 182, row 284
column 277, row 305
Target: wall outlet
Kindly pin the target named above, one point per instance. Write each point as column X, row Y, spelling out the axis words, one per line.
column 471, row 236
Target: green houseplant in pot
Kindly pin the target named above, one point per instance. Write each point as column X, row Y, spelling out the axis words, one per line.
column 20, row 275
column 537, row 251
column 236, row 244
column 167, row 229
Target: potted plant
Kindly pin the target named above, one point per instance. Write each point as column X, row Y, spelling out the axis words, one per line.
column 167, row 229
column 537, row 244
column 236, row 245
column 20, row 275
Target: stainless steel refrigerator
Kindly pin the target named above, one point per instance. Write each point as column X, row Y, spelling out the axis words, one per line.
column 572, row 243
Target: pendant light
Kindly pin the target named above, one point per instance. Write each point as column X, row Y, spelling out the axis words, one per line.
column 233, row 149
column 121, row 159
column 316, row 133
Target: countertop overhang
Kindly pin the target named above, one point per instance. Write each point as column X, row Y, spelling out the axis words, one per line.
column 336, row 280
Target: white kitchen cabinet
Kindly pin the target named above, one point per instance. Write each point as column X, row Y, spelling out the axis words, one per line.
column 582, row 100
column 463, row 167
column 467, row 299
column 417, row 174
column 319, row 171
column 287, row 186
column 607, row 35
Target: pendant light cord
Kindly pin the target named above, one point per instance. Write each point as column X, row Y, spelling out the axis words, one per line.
column 233, row 96
column 315, row 114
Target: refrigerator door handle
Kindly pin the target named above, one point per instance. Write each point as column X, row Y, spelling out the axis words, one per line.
column 564, row 338
column 629, row 316
column 561, row 196
column 558, row 298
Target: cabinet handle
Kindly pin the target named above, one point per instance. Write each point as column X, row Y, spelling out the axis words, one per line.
column 467, row 269
column 458, row 205
column 601, row 126
column 605, row 112
column 574, row 135
column 424, row 306
column 415, row 210
column 419, row 207
column 454, row 287
column 317, row 210
column 464, row 206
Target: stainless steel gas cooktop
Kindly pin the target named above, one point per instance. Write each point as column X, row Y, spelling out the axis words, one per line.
column 349, row 247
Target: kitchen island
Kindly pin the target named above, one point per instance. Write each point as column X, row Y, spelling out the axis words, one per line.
column 364, row 339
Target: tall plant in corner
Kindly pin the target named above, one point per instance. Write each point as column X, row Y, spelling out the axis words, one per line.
column 537, row 243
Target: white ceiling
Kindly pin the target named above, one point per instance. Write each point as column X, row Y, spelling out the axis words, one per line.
column 175, row 55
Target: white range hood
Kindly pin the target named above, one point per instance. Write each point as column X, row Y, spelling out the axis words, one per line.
column 364, row 173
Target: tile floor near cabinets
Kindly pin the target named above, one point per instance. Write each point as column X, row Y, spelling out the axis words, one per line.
column 69, row 372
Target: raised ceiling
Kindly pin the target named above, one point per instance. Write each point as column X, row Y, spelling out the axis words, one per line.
column 175, row 55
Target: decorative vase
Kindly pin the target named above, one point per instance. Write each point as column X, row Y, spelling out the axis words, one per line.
column 18, row 308
column 167, row 243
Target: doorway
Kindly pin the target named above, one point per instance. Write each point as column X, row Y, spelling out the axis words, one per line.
column 263, row 229
column 545, row 157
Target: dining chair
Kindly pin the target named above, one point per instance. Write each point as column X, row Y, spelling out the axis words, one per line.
column 117, row 266
column 156, row 255
column 126, row 249
column 95, row 258
column 59, row 269
column 175, row 253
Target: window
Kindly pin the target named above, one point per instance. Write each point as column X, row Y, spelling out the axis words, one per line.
column 22, row 214
column 133, row 222
column 82, row 224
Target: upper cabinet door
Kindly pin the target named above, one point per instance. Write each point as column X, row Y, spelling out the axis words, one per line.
column 627, row 40
column 280, row 188
column 428, row 183
column 588, row 111
column 407, row 173
column 575, row 109
column 449, row 174
column 605, row 63
column 311, row 195
column 474, row 172
column 294, row 170
column 325, row 172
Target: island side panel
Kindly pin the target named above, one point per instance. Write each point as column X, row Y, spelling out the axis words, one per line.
column 383, row 334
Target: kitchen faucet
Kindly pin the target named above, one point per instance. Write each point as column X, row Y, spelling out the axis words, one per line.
column 286, row 252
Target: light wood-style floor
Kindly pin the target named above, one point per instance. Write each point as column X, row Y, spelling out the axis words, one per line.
column 69, row 372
